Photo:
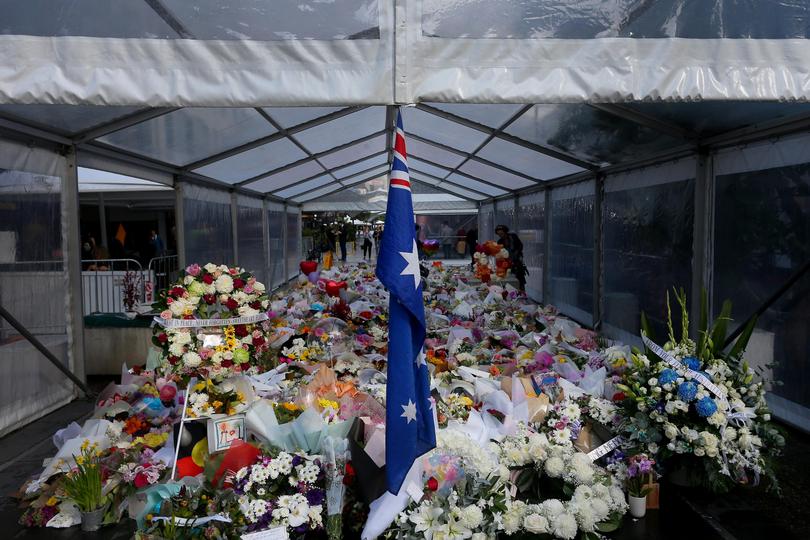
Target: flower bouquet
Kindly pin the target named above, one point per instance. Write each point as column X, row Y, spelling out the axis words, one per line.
column 698, row 410
column 210, row 323
column 83, row 485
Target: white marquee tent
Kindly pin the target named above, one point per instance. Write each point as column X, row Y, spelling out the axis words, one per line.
column 625, row 140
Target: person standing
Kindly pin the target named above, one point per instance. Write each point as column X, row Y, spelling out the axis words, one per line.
column 472, row 241
column 156, row 243
column 377, row 239
column 514, row 246
column 447, row 239
column 366, row 243
column 342, row 237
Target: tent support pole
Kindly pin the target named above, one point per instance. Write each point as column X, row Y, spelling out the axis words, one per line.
column 702, row 239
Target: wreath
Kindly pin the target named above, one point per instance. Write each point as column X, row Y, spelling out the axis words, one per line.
column 212, row 323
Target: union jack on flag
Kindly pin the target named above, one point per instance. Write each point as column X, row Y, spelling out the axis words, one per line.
column 409, row 424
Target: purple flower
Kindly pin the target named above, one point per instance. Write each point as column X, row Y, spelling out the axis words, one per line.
column 193, row 270
column 315, row 496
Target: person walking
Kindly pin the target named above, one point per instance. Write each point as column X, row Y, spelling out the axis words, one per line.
column 514, row 246
column 377, row 239
column 366, row 243
column 342, row 237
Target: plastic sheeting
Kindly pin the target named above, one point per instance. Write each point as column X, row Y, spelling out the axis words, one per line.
column 207, row 225
column 762, row 220
column 486, row 225
column 505, row 213
column 250, row 236
column 33, row 282
column 572, row 246
column 531, row 228
column 647, row 224
column 275, row 226
column 293, row 241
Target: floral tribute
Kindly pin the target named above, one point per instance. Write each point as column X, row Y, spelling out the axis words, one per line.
column 193, row 343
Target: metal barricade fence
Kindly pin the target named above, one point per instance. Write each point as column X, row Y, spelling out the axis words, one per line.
column 164, row 270
column 103, row 284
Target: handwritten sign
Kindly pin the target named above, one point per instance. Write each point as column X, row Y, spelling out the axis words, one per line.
column 223, row 431
column 276, row 533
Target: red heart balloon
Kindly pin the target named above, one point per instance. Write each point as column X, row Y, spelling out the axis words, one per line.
column 307, row 267
column 333, row 287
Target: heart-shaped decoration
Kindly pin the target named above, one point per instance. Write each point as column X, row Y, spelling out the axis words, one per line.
column 307, row 267
column 333, row 287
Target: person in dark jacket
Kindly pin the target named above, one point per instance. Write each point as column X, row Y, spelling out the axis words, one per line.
column 514, row 246
column 472, row 241
column 343, row 236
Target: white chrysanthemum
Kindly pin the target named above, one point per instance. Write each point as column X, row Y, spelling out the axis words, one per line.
column 176, row 349
column 180, row 336
column 178, row 307
column 553, row 507
column 600, row 508
column 471, row 516
column 513, row 517
column 585, row 517
column 555, row 467
column 192, row 359
column 224, row 284
column 565, row 526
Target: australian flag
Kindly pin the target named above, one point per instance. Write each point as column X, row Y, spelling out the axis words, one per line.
column 409, row 427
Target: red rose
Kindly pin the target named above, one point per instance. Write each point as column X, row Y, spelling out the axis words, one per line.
column 240, row 329
column 209, row 299
column 258, row 341
column 432, row 484
column 177, row 292
column 238, row 283
column 227, row 363
column 255, row 304
column 208, row 279
column 141, row 481
column 163, row 338
column 231, row 304
column 173, row 359
column 619, row 396
column 167, row 393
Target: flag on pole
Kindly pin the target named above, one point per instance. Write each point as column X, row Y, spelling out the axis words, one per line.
column 409, row 425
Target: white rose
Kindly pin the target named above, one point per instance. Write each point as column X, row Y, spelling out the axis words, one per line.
column 670, row 431
column 210, row 267
column 535, row 523
column 259, row 287
column 224, row 284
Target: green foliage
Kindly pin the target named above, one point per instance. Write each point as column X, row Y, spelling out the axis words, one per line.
column 83, row 484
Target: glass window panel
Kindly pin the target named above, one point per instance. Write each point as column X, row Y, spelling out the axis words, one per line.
column 266, row 20
column 70, row 119
column 465, row 180
column 293, row 243
column 285, row 178
column 251, row 240
column 589, row 134
column 427, row 168
column 571, row 278
column 192, row 134
column 762, row 237
column 351, row 153
column 253, row 162
column 531, row 228
column 90, row 18
column 563, row 19
column 207, row 225
column 433, row 153
column 647, row 250
column 495, row 175
column 293, row 116
column 527, row 161
column 362, row 166
column 435, row 128
column 490, row 115
column 331, row 134
column 306, row 186
column 275, row 225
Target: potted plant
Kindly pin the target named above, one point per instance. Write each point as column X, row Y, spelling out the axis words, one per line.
column 131, row 285
column 83, row 485
column 639, row 480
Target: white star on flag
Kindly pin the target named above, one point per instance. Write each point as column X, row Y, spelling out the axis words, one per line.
column 409, row 411
column 412, row 269
column 420, row 359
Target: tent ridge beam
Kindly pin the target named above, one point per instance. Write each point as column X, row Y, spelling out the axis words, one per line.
column 314, row 176
column 270, row 138
column 24, row 128
column 340, row 182
column 452, row 183
column 499, row 133
column 476, row 178
column 169, row 18
column 121, row 123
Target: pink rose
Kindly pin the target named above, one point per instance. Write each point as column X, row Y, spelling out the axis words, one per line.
column 193, row 270
column 166, row 315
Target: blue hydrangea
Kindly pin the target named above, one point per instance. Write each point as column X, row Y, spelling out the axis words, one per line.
column 706, row 407
column 687, row 391
column 667, row 376
column 692, row 363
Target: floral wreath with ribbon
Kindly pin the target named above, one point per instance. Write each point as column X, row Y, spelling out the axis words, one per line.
column 212, row 323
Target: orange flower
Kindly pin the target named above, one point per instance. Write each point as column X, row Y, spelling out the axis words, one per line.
column 494, row 371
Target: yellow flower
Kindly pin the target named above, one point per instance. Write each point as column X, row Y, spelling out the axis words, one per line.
column 199, row 386
column 85, row 444
column 79, row 460
column 52, row 501
column 217, row 404
column 290, row 406
column 231, row 411
column 466, row 401
column 324, row 403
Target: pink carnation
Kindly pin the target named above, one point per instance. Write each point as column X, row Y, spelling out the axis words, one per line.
column 193, row 270
column 166, row 314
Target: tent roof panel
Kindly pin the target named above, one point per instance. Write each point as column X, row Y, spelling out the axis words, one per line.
column 69, row 119
column 354, row 152
column 526, row 161
column 496, row 176
column 334, row 133
column 464, row 180
column 188, row 135
column 493, row 116
column 433, row 153
column 287, row 177
column 367, row 163
column 294, row 116
column 432, row 127
column 306, row 186
column 254, row 162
